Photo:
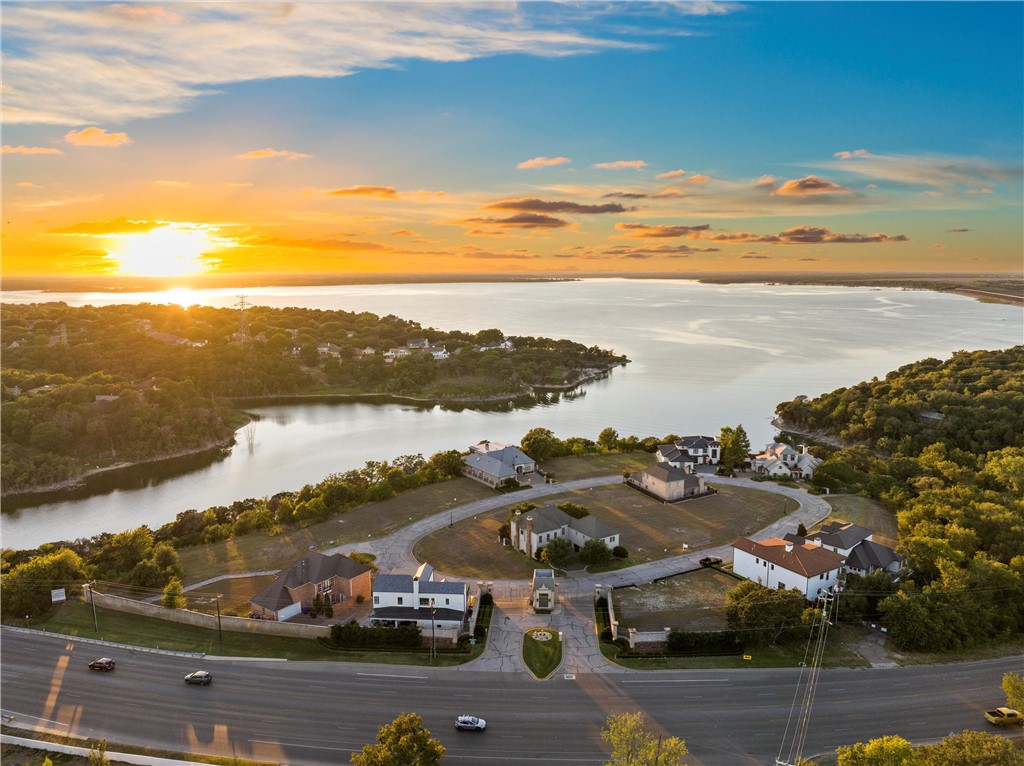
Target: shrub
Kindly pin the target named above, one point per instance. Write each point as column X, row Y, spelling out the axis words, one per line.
column 360, row 598
column 620, row 552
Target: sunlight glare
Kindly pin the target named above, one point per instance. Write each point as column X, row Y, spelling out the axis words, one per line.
column 175, row 250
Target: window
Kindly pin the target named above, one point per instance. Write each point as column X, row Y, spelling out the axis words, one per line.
column 447, row 602
column 773, row 567
column 399, row 600
column 376, row 600
column 424, row 601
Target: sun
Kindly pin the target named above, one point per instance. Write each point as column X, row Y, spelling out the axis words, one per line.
column 174, row 250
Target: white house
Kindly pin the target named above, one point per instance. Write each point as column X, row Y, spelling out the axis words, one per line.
column 493, row 463
column 776, row 563
column 418, row 598
column 668, row 483
column 688, row 451
column 863, row 554
column 535, row 529
column 780, row 459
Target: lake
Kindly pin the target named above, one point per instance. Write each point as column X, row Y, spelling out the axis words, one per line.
column 703, row 356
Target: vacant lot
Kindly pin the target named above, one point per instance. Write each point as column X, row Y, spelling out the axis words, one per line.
column 260, row 552
column 691, row 601
column 865, row 512
column 649, row 529
column 569, row 468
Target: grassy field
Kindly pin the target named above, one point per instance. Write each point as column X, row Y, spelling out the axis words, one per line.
column 570, row 468
column 75, row 618
column 542, row 657
column 649, row 529
column 259, row 553
column 865, row 512
column 692, row 601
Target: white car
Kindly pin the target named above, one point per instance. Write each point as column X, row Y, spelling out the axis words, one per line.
column 470, row 723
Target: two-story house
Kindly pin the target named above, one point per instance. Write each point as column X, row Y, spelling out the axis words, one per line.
column 418, row 598
column 313, row 576
column 780, row 459
column 776, row 563
column 535, row 529
column 668, row 483
column 493, row 463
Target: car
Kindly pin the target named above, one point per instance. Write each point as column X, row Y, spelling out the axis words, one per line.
column 1003, row 716
column 470, row 723
column 102, row 663
column 201, row 677
column 710, row 561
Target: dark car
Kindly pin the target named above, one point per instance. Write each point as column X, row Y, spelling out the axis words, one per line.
column 201, row 677
column 103, row 663
column 710, row 561
column 470, row 723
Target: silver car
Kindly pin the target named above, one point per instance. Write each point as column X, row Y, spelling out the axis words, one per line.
column 470, row 723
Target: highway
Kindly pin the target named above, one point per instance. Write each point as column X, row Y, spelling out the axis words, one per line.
column 318, row 713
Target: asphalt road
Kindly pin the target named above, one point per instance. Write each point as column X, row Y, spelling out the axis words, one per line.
column 318, row 713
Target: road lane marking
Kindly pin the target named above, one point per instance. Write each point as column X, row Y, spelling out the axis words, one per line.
column 681, row 681
column 389, row 675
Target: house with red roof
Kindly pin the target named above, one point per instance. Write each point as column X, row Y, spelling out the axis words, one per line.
column 776, row 563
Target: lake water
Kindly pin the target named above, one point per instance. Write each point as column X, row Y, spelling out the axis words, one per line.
column 703, row 356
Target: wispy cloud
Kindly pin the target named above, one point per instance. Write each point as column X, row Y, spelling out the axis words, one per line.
column 956, row 231
column 544, row 206
column 269, row 154
column 940, row 171
column 671, row 174
column 173, row 184
column 31, row 150
column 807, row 235
column 810, row 185
column 107, row 228
column 520, row 221
column 621, row 165
column 28, row 185
column 77, row 63
column 96, row 137
column 646, row 231
column 384, row 192
column 542, row 162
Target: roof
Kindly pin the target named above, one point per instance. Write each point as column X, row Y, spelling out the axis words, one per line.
column 840, row 535
column 697, row 442
column 807, row 560
column 667, row 472
column 592, row 527
column 870, row 554
column 550, row 519
column 403, row 583
column 673, row 454
column 409, row 613
column 543, row 578
column 489, row 465
column 313, row 567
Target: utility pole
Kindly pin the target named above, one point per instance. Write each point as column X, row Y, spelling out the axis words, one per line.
column 92, row 600
column 433, row 648
column 220, row 634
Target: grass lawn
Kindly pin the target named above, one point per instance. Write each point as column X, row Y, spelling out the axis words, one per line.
column 692, row 601
column 865, row 512
column 75, row 618
column 542, row 651
column 258, row 552
column 649, row 529
column 570, row 468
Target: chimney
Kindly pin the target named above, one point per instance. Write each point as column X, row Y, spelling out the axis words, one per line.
column 817, row 541
column 529, row 536
column 789, row 547
column 803, row 449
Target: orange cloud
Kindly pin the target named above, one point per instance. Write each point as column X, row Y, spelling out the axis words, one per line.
column 532, row 205
column 107, row 228
column 807, row 235
column 851, row 155
column 28, row 185
column 809, row 185
column 542, row 162
column 646, row 231
column 698, row 179
column 30, row 150
column 621, row 165
column 672, row 174
column 173, row 184
column 387, row 192
column 96, row 137
column 268, row 153
column 520, row 221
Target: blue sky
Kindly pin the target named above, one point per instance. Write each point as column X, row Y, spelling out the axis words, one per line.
column 434, row 137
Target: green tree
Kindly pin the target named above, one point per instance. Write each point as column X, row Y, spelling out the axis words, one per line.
column 608, row 439
column 633, row 745
column 559, row 553
column 26, row 589
column 173, row 597
column 735, row 446
column 1013, row 687
column 540, row 444
column 595, row 553
column 764, row 614
column 886, row 751
column 403, row 742
column 970, row 748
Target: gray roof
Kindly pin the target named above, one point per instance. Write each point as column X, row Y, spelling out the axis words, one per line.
column 696, row 442
column 840, row 535
column 402, row 583
column 409, row 613
column 550, row 519
column 544, row 578
column 313, row 567
column 592, row 527
column 870, row 554
column 667, row 472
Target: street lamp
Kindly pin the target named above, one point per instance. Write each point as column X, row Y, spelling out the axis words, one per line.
column 433, row 649
column 451, row 513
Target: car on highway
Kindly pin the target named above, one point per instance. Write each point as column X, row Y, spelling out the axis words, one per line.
column 102, row 663
column 1003, row 716
column 470, row 723
column 201, row 677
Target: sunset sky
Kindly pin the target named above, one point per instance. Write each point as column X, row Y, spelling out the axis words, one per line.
column 668, row 137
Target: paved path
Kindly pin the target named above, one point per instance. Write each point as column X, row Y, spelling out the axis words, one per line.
column 573, row 615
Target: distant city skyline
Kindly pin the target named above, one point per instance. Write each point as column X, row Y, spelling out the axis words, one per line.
column 180, row 139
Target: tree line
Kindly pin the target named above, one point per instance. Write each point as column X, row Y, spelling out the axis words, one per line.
column 95, row 386
column 941, row 444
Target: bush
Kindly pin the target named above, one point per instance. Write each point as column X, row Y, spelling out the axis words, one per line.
column 703, row 643
column 360, row 598
column 486, row 599
column 352, row 634
column 620, row 552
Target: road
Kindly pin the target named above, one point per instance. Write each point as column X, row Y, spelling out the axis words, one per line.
column 310, row 714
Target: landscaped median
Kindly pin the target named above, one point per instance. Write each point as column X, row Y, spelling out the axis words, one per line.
column 542, row 651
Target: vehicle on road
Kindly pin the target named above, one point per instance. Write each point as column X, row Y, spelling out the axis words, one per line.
column 201, row 677
column 470, row 723
column 710, row 561
column 102, row 663
column 1004, row 716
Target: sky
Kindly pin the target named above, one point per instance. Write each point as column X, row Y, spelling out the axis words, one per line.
column 231, row 138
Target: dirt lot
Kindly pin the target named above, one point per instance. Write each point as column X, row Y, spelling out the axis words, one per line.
column 649, row 529
column 692, row 601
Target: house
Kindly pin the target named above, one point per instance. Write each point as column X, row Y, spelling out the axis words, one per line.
column 776, row 563
column 419, row 343
column 780, row 459
column 542, row 590
column 668, row 483
column 540, row 526
column 698, row 450
column 438, row 352
column 493, row 463
column 505, row 345
column 312, row 576
column 328, row 349
column 863, row 554
column 418, row 598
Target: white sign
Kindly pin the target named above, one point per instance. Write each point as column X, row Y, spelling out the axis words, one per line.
column 58, row 594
